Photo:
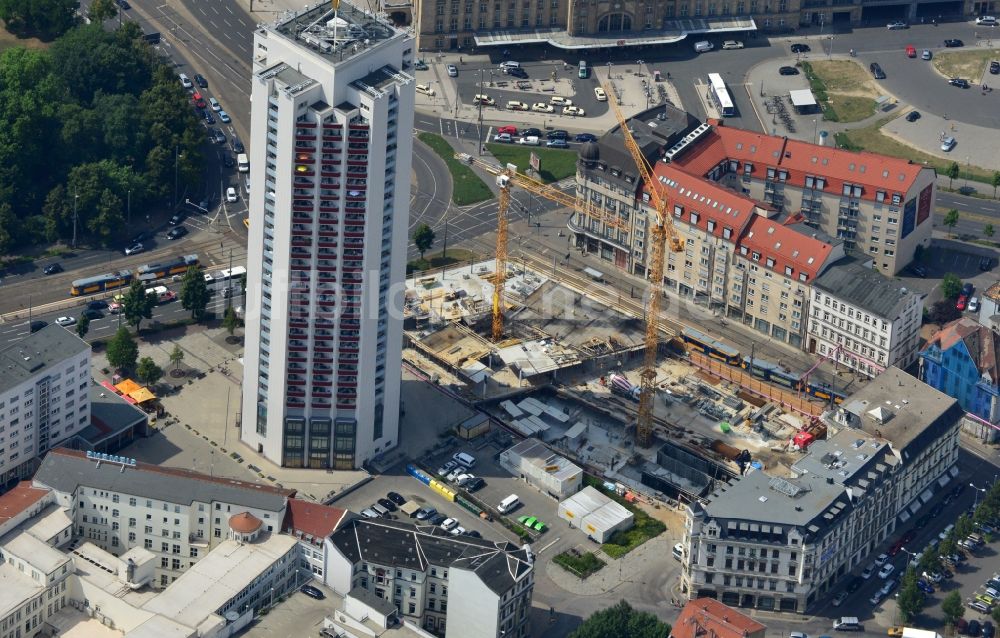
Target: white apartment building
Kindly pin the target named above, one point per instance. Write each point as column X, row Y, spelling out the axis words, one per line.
column 784, row 542
column 455, row 586
column 864, row 319
column 177, row 515
column 331, row 143
column 44, row 397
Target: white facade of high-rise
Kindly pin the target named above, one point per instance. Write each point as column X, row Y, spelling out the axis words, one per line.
column 331, row 139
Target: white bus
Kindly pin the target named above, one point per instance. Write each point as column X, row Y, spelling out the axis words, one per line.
column 234, row 273
column 720, row 95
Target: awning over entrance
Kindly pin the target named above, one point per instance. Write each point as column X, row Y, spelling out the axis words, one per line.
column 953, row 471
column 944, row 480
column 915, row 507
column 903, row 516
column 674, row 31
column 926, row 496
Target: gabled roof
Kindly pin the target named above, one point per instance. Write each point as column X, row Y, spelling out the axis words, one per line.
column 65, row 470
column 312, row 519
column 19, row 499
column 404, row 545
column 853, row 282
column 796, row 246
column 800, row 159
column 706, row 199
column 709, row 618
column 982, row 343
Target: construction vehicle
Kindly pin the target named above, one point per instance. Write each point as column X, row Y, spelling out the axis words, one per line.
column 663, row 232
column 507, row 176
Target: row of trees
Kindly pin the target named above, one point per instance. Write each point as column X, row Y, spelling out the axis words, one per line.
column 953, row 171
column 91, row 129
column 911, row 601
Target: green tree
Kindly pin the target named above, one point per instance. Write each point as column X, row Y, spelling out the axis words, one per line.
column 995, row 614
column 423, row 238
column 952, row 607
column 952, row 172
column 988, row 230
column 911, row 600
column 230, row 321
column 122, row 350
column 101, row 10
column 194, row 294
column 83, row 326
column 137, row 305
column 176, row 356
column 995, row 181
column 943, row 311
column 621, row 621
column 951, row 285
column 45, row 18
column 963, row 526
column 148, row 371
column 951, row 219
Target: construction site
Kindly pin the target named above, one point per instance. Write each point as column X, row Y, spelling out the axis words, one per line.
column 567, row 372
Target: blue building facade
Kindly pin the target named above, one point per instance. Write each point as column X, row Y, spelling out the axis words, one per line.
column 961, row 361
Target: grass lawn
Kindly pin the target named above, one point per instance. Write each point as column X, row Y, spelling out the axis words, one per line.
column 645, row 527
column 437, row 260
column 871, row 138
column 8, row 40
column 844, row 87
column 466, row 188
column 967, row 63
column 555, row 164
column 582, row 565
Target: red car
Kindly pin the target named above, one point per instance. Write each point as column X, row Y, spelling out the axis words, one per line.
column 510, row 129
column 895, row 547
column 198, row 100
column 962, row 300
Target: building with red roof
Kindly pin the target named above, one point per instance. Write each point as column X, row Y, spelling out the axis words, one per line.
column 312, row 524
column 761, row 216
column 709, row 618
column 21, row 503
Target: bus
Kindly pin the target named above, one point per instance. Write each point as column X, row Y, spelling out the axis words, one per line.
column 720, row 95
column 107, row 281
column 173, row 266
column 231, row 273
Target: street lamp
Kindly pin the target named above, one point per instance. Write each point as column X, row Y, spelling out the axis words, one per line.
column 978, row 490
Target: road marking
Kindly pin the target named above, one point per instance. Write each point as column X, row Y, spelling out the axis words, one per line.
column 226, row 35
column 213, row 9
column 229, row 9
column 228, row 24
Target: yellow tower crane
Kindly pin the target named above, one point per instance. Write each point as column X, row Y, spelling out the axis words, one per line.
column 508, row 176
column 663, row 231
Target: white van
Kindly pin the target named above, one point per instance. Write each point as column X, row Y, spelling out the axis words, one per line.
column 704, row 45
column 678, row 550
column 243, row 164
column 508, row 65
column 508, row 504
column 463, row 459
column 531, row 140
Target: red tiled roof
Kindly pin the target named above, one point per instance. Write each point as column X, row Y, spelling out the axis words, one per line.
column 313, row 519
column 707, row 199
column 787, row 246
column 983, row 344
column 19, row 499
column 708, row 618
column 245, row 523
column 838, row 166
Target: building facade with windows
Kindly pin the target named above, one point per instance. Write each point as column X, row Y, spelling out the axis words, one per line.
column 178, row 515
column 331, row 142
column 863, row 319
column 453, row 586
column 961, row 360
column 44, row 397
column 785, row 541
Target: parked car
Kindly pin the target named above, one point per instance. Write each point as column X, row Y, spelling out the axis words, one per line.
column 732, row 44
column 475, row 485
column 913, row 116
column 312, row 592
column 886, row 570
column 449, row 524
column 953, row 43
column 369, row 513
column 600, row 95
column 585, row 137
column 973, row 307
column 457, row 531
column 425, row 89
column 933, row 577
column 542, row 107
column 530, row 140
column 224, row 117
column 979, row 606
column 895, row 26
column 799, row 48
column 926, row 54
column 503, row 138
column 485, row 100
column 134, row 249
column 557, row 134
column 387, row 504
column 557, row 144
column 452, row 71
column 424, row 513
column 876, row 597
column 948, row 143
column 177, row 232
column 881, row 559
column 575, row 111
column 911, row 51
column 515, row 105
column 447, row 467
column 231, row 195
column 839, row 599
column 395, row 498
column 53, row 269
column 509, row 129
column 994, row 67
column 788, row 70
column 867, row 572
column 925, row 586
column 877, row 71
column 961, row 83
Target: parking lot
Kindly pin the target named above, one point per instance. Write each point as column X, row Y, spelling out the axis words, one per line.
column 298, row 616
column 499, row 485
